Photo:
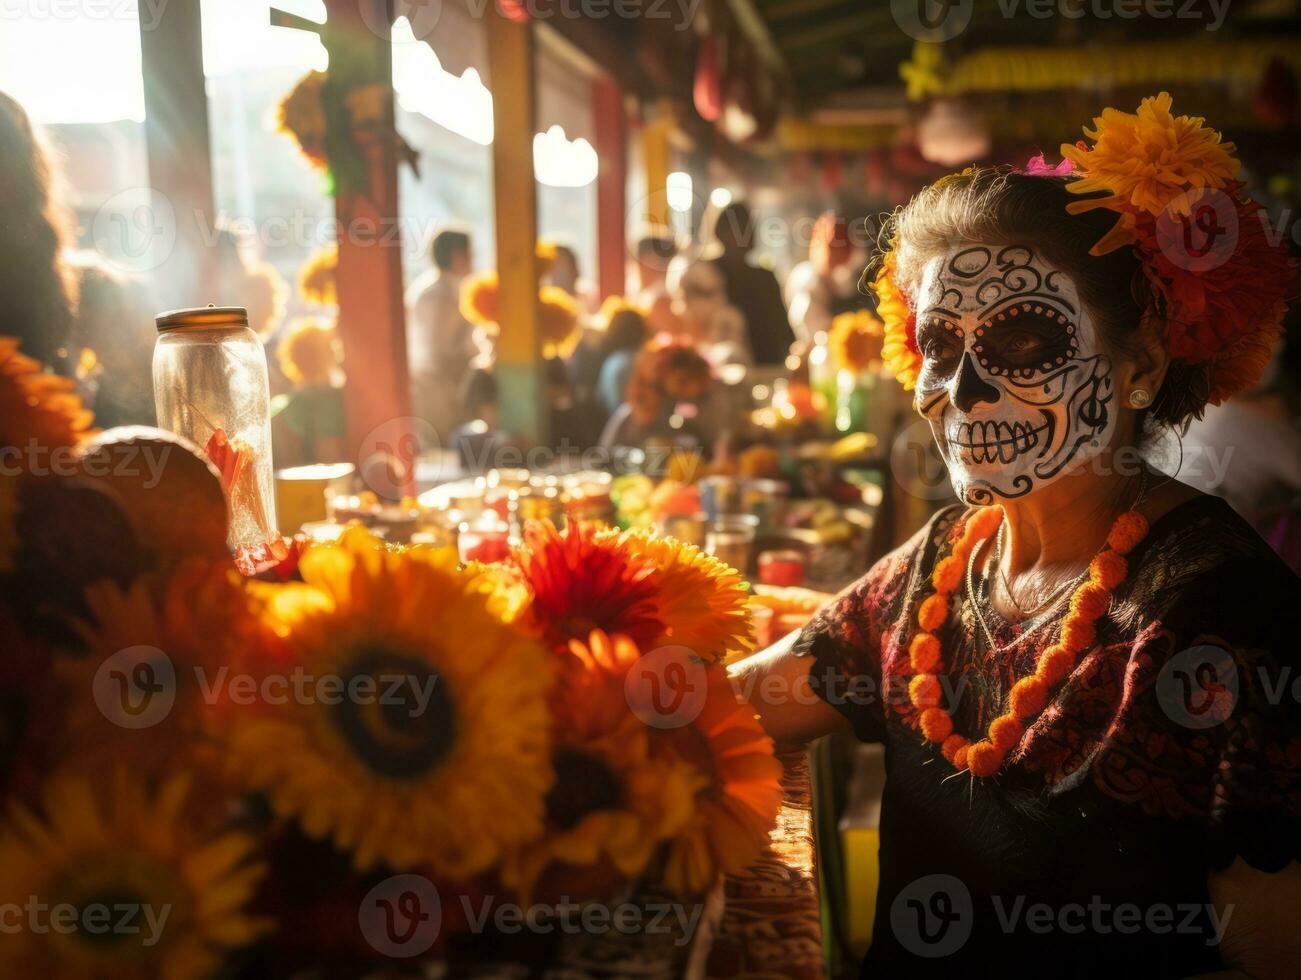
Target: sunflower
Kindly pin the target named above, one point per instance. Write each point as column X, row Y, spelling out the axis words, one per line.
column 580, row 580
column 702, row 601
column 1144, row 161
column 301, row 114
column 446, row 761
column 316, row 279
column 855, row 341
column 736, row 800
column 612, row 804
column 38, row 409
column 147, row 687
column 165, row 902
column 479, row 299
column 899, row 348
column 309, row 353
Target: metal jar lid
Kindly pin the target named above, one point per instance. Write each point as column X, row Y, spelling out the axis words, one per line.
column 203, row 318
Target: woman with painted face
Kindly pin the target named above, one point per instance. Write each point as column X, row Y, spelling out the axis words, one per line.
column 1084, row 671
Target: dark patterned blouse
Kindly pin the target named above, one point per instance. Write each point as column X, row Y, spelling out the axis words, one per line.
column 1171, row 748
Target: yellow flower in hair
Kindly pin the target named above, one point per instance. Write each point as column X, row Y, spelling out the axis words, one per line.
column 440, row 755
column 899, row 349
column 115, row 844
column 1144, row 161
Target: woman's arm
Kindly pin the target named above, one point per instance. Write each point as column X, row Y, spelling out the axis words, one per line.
column 776, row 684
column 1259, row 911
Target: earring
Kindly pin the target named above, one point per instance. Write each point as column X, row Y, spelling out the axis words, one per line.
column 1139, row 398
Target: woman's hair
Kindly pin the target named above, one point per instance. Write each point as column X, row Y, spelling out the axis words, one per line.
column 1001, row 206
column 38, row 290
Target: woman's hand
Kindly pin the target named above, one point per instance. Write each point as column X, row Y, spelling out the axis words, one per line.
column 776, row 684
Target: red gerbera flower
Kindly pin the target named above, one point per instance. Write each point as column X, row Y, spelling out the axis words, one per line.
column 579, row 584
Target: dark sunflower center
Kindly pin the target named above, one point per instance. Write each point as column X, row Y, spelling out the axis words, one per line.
column 114, row 916
column 396, row 714
column 584, row 784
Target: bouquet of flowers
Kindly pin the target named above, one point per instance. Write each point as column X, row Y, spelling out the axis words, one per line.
column 284, row 777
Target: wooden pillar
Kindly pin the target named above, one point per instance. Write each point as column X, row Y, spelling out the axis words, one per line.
column 179, row 155
column 521, row 391
column 611, row 187
column 656, row 160
column 372, row 318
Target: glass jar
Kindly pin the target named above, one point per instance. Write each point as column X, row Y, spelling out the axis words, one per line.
column 210, row 386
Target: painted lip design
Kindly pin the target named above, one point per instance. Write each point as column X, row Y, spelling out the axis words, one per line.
column 995, row 442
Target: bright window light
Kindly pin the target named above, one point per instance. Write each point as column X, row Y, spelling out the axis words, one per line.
column 560, row 162
column 462, row 105
column 678, row 191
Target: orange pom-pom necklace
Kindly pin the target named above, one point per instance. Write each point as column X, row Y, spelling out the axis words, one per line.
column 1089, row 603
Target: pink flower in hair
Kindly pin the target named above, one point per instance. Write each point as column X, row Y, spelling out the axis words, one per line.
column 1037, row 166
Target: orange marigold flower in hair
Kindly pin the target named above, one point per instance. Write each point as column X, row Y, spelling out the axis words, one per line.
column 933, row 613
column 936, row 724
column 580, row 580
column 1108, row 569
column 924, row 653
column 1005, row 732
column 1090, row 602
column 924, row 691
column 952, row 745
column 899, row 348
column 1028, row 697
column 1129, row 529
column 983, row 759
column 1144, row 160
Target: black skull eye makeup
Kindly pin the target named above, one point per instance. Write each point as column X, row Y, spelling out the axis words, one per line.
column 939, row 340
column 1025, row 338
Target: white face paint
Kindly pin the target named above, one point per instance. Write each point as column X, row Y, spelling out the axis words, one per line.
column 1014, row 383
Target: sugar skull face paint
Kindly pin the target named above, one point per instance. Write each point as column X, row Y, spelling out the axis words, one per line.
column 1014, row 383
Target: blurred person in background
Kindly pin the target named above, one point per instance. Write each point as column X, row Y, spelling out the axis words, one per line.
column 243, row 279
column 655, row 254
column 38, row 289
column 751, row 288
column 625, row 336
column 707, row 317
column 565, row 274
column 308, row 423
column 826, row 284
column 440, row 340
column 112, row 343
column 668, row 402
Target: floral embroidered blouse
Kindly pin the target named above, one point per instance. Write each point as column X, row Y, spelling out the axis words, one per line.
column 1171, row 748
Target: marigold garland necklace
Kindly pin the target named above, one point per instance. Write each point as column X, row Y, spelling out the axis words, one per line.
column 1089, row 602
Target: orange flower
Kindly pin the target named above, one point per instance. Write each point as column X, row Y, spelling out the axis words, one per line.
column 316, row 279
column 580, row 581
column 701, row 600
column 1144, row 160
column 738, row 794
column 899, row 348
column 557, row 317
column 38, row 409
